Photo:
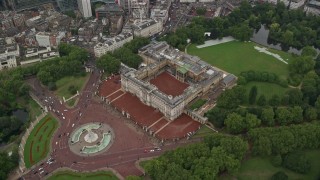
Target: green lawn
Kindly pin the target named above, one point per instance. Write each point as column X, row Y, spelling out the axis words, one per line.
column 262, row 169
column 69, row 175
column 33, row 109
column 268, row 89
column 203, row 131
column 236, row 57
column 198, row 104
column 64, row 84
column 39, row 141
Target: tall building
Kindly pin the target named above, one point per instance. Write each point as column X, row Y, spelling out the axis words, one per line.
column 85, row 8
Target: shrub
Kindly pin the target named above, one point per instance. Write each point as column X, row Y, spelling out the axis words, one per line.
column 297, row 161
column 52, row 86
column 72, row 89
column 280, row 175
column 276, row 160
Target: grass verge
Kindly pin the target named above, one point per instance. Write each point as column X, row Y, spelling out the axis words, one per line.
column 198, row 104
column 64, row 84
column 69, row 175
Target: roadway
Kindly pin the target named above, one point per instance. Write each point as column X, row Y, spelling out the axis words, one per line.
column 125, row 152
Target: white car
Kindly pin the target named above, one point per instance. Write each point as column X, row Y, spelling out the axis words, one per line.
column 40, row 169
column 63, row 117
column 41, row 172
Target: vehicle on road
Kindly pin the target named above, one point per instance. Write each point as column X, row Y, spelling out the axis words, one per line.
column 40, row 169
column 41, row 172
column 157, row 149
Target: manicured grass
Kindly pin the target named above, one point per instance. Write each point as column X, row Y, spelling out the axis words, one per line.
column 203, row 131
column 72, row 102
column 69, row 175
column 236, row 57
column 64, row 84
column 34, row 109
column 267, row 89
column 198, row 104
column 262, row 169
column 38, row 143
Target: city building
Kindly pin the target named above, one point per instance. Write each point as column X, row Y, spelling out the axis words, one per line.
column 111, row 44
column 160, row 11
column 112, row 16
column 85, row 8
column 147, row 28
column 138, row 9
column 33, row 55
column 109, row 10
column 9, row 51
column 10, row 19
column 46, row 39
column 197, row 76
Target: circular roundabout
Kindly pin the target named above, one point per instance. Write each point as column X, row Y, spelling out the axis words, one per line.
column 91, row 139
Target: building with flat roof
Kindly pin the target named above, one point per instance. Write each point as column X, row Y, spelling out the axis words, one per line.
column 111, row 44
column 161, row 58
column 147, row 28
column 46, row 39
column 109, row 10
column 8, row 54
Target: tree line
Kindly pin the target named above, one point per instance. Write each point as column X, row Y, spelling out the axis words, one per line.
column 261, row 76
column 14, row 88
column 206, row 160
column 288, row 27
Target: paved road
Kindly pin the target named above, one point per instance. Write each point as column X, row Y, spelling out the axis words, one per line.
column 121, row 159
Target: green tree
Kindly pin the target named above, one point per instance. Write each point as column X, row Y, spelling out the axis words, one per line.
column 301, row 65
column 267, row 116
column 253, row 94
column 235, row 123
column 310, row 114
column 280, row 175
column 251, row 121
column 309, row 51
column 52, row 86
column 297, row 114
column 283, row 116
column 108, row 63
column 274, row 100
column 262, row 101
column 201, row 11
column 262, row 146
column 297, row 162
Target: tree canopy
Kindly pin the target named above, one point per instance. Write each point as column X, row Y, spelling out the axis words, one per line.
column 218, row 153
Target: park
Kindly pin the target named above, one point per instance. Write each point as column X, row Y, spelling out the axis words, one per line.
column 236, row 57
column 38, row 143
